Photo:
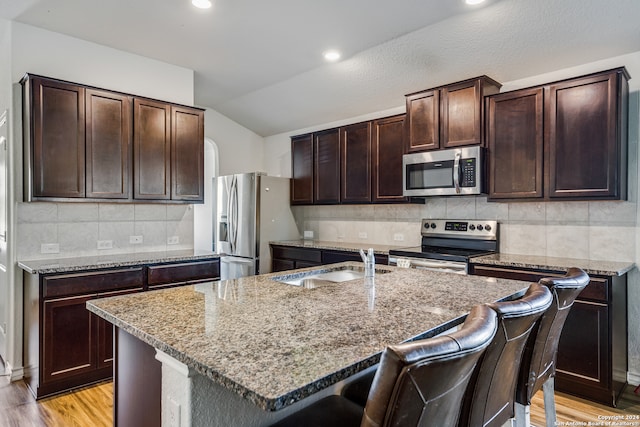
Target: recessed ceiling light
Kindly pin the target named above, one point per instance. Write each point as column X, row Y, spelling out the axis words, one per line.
column 332, row 55
column 474, row 1
column 201, row 4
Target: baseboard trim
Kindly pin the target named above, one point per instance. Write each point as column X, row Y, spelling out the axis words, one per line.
column 633, row 378
column 15, row 373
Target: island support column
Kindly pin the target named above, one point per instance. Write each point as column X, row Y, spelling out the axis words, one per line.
column 191, row 399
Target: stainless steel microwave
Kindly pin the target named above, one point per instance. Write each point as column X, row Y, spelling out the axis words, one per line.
column 453, row 172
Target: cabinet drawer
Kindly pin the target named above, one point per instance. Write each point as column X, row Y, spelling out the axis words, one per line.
column 298, row 254
column 91, row 282
column 183, row 272
column 596, row 290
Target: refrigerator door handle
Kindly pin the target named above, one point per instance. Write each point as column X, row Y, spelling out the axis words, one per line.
column 233, row 214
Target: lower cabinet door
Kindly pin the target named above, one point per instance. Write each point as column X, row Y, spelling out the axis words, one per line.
column 68, row 336
column 583, row 351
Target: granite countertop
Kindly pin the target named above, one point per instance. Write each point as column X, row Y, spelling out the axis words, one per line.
column 61, row 265
column 605, row 268
column 340, row 246
column 275, row 344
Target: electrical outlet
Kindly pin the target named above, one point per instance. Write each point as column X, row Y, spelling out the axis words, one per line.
column 134, row 240
column 362, row 235
column 173, row 240
column 105, row 244
column 50, row 248
column 398, row 237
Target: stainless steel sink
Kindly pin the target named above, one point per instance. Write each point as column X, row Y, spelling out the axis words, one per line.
column 315, row 278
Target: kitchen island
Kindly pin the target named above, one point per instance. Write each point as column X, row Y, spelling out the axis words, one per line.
column 249, row 351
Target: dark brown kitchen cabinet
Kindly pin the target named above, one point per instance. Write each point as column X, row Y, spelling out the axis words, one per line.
column 65, row 345
column 587, row 142
column 358, row 163
column 302, row 170
column 592, row 353
column 54, row 138
column 187, row 154
column 386, row 157
column 108, row 144
column 290, row 258
column 152, row 149
column 515, row 139
column 423, row 121
column 176, row 274
column 560, row 141
column 85, row 143
column 326, row 155
column 355, row 163
column 448, row 116
column 69, row 347
column 294, row 257
column 168, row 152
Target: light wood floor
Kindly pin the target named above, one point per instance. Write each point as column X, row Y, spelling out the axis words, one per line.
column 93, row 407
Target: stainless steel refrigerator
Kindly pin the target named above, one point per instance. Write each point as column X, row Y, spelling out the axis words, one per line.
column 251, row 210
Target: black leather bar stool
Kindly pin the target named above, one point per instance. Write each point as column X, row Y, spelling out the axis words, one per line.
column 539, row 359
column 420, row 383
column 491, row 401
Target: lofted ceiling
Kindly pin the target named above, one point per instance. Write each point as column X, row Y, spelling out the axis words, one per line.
column 260, row 62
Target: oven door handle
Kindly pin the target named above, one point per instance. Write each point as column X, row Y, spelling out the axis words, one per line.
column 449, row 266
column 456, row 171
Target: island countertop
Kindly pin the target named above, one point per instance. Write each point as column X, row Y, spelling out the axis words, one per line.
column 275, row 344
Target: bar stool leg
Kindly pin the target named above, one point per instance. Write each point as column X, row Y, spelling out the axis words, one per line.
column 549, row 402
column 522, row 415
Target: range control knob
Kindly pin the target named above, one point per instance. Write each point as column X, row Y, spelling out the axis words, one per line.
column 472, row 227
column 433, row 225
column 487, row 227
column 480, row 227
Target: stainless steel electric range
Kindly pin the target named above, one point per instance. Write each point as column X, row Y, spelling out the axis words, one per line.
column 447, row 245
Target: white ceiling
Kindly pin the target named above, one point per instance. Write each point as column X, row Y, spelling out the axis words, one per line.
column 260, row 63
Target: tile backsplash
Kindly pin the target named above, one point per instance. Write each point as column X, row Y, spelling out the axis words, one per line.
column 78, row 227
column 587, row 230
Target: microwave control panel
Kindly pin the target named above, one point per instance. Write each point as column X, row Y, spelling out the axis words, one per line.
column 468, row 172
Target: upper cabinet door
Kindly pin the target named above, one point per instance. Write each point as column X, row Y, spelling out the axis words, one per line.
column 326, row 146
column 516, row 138
column 151, row 149
column 355, row 146
column 386, row 157
column 423, row 121
column 587, row 119
column 461, row 114
column 58, row 139
column 302, row 170
column 108, row 144
column 187, row 154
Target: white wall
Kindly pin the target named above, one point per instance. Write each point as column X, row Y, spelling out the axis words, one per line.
column 239, row 149
column 55, row 55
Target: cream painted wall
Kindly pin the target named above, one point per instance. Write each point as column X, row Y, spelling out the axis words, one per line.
column 596, row 230
column 239, row 149
column 59, row 56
